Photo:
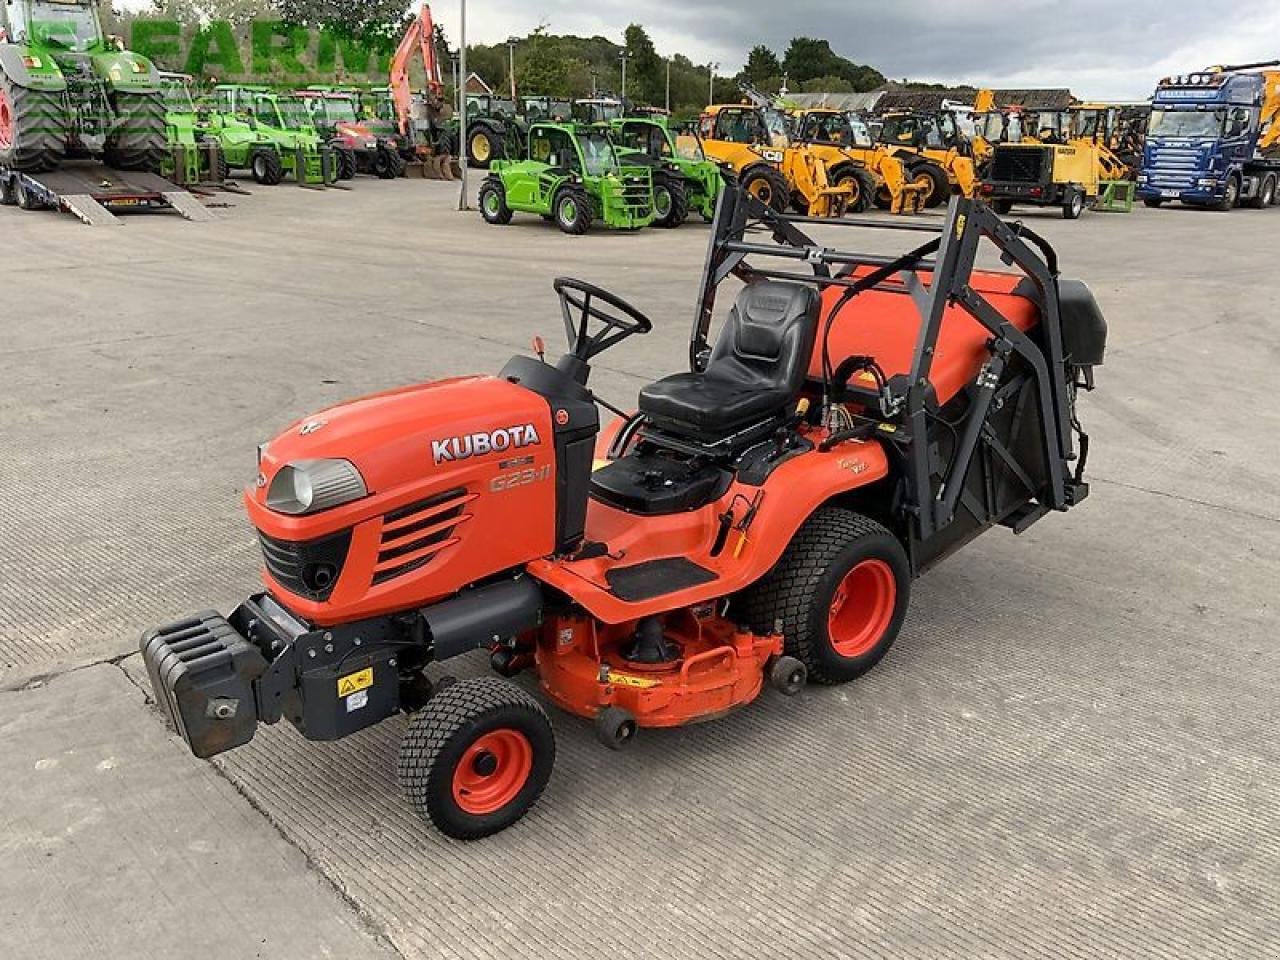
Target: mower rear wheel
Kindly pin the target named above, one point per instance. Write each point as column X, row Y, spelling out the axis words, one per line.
column 573, row 211
column 476, row 757
column 493, row 203
column 267, row 167
column 670, row 202
column 840, row 592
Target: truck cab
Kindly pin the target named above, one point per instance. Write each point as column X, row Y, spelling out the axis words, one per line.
column 1205, row 142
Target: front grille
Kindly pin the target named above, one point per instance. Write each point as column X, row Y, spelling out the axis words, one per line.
column 309, row 568
column 414, row 535
column 1020, row 165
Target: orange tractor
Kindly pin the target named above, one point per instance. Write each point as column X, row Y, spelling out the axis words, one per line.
column 756, row 523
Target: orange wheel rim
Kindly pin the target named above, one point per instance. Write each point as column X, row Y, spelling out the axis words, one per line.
column 762, row 191
column 492, row 772
column 862, row 608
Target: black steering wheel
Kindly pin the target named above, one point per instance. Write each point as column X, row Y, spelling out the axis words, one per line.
column 620, row 321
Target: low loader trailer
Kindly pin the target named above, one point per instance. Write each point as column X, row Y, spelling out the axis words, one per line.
column 96, row 193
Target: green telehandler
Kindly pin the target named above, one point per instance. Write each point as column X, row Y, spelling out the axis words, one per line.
column 682, row 181
column 195, row 155
column 69, row 91
column 572, row 176
column 270, row 135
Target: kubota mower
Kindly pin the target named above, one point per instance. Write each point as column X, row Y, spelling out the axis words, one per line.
column 757, row 521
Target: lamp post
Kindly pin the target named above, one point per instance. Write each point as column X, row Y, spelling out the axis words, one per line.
column 668, row 103
column 464, row 200
column 624, row 55
column 711, row 82
column 511, row 64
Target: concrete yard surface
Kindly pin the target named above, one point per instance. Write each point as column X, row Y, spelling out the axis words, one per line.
column 1071, row 751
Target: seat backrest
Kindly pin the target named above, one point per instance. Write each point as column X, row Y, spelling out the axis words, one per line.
column 768, row 337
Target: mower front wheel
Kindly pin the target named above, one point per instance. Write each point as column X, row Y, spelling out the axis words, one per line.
column 573, row 211
column 493, row 203
column 476, row 757
column 840, row 592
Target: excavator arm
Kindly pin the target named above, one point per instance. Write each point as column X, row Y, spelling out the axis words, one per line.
column 418, row 38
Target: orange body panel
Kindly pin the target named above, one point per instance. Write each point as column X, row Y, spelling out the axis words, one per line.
column 391, row 438
column 789, row 496
column 885, row 325
column 719, row 668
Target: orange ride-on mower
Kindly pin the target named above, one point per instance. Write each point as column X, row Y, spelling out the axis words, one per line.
column 758, row 521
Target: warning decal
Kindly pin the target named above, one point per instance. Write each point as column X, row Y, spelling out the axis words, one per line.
column 353, row 682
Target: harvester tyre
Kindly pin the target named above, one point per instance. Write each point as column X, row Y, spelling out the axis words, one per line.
column 939, row 185
column 32, row 128
column 267, row 167
column 140, row 141
column 768, row 186
column 345, row 158
column 839, row 593
column 572, row 210
column 670, row 202
column 493, row 203
column 476, row 757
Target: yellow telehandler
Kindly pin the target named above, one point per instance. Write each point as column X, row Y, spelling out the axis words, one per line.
column 913, row 136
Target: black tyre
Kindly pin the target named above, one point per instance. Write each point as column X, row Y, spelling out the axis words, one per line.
column 6, row 193
column 615, row 727
column 1230, row 195
column 483, row 147
column 387, row 164
column 219, row 171
column 139, row 140
column 670, row 202
column 572, row 210
column 1266, row 194
column 788, row 675
column 345, row 159
column 476, row 757
column 934, row 177
column 862, row 186
column 1073, row 205
column 33, row 131
column 1153, row 202
column 1003, row 206
column 768, row 186
column 23, row 197
column 839, row 592
column 493, row 203
column 267, row 167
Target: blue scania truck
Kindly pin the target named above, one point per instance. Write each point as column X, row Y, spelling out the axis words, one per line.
column 1214, row 139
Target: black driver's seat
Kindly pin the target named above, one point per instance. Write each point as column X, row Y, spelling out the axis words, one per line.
column 755, row 372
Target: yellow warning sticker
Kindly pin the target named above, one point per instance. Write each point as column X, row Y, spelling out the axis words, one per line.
column 626, row 680
column 355, row 682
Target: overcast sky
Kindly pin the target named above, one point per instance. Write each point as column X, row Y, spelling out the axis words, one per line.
column 1101, row 50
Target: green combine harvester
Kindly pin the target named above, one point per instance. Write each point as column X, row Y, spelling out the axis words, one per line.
column 572, row 176
column 680, row 182
column 270, row 135
column 67, row 91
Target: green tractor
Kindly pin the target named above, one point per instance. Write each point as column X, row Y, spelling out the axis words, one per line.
column 681, row 181
column 69, row 91
column 495, row 131
column 195, row 154
column 572, row 176
column 270, row 135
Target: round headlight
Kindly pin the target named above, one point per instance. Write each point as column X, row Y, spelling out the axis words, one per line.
column 309, row 486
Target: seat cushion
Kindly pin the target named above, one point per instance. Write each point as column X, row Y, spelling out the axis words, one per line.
column 708, row 404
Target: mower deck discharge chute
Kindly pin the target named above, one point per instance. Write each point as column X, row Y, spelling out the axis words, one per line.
column 759, row 520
